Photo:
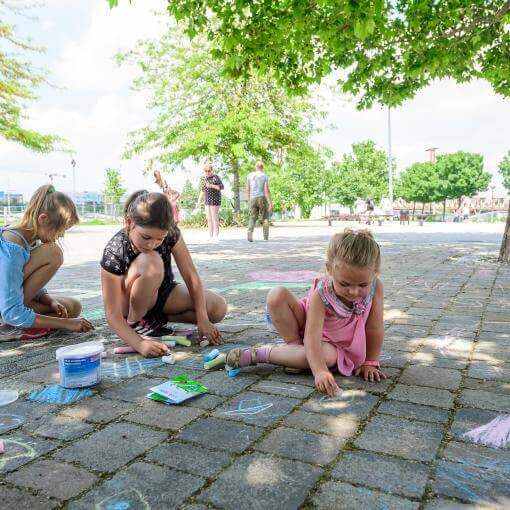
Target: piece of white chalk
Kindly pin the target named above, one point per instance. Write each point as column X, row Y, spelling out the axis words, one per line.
column 204, row 343
column 2, row 447
column 170, row 359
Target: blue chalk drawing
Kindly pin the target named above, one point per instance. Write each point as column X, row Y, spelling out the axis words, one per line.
column 244, row 409
column 128, row 367
column 94, row 314
column 55, row 394
column 10, row 421
column 119, row 505
column 195, row 363
column 129, row 498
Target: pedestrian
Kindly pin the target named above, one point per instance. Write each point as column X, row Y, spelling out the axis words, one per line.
column 210, row 193
column 259, row 200
column 140, row 293
column 337, row 326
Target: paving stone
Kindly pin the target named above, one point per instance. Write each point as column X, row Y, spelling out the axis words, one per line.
column 395, row 359
column 135, row 390
column 284, row 389
column 468, row 419
column 196, row 507
column 408, row 439
column 56, row 479
column 304, row 378
column 485, row 400
column 205, row 401
column 446, row 504
column 98, row 410
column 484, row 370
column 218, row 382
column 315, row 422
column 262, row 482
column 478, row 456
column 227, row 435
column 193, row 459
column 495, row 327
column 393, row 475
column 60, row 427
column 300, row 445
column 422, row 395
column 16, row 499
column 492, row 386
column 260, row 409
column 431, row 376
column 414, row 411
column 47, row 374
column 141, row 486
column 470, row 483
column 344, row 495
column 22, row 413
column 20, row 449
column 430, row 360
column 111, row 447
column 357, row 383
column 157, row 414
column 353, row 404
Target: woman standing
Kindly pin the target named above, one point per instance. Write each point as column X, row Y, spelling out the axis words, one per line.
column 211, row 186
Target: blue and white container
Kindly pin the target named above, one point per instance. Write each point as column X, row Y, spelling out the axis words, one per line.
column 80, row 364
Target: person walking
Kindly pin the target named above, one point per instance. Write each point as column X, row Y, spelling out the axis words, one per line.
column 211, row 186
column 259, row 200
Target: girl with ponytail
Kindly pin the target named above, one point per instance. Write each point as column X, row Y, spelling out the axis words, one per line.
column 29, row 258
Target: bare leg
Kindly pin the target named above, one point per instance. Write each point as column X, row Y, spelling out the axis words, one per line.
column 208, row 214
column 286, row 313
column 215, row 216
column 179, row 306
column 294, row 356
column 141, row 285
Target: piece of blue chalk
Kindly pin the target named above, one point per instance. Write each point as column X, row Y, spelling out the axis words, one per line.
column 212, row 355
column 233, row 372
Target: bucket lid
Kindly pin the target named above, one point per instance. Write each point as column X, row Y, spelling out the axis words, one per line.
column 80, row 350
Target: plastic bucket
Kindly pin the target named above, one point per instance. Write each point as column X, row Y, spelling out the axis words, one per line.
column 80, row 364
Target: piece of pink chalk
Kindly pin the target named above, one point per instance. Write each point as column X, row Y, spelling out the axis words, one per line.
column 104, row 354
column 2, row 447
column 124, row 349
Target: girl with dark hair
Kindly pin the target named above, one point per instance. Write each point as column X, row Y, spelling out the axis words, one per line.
column 139, row 290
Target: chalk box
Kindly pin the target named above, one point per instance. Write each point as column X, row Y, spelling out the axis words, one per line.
column 176, row 390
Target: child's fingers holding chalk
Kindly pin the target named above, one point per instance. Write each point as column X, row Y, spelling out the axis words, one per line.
column 151, row 348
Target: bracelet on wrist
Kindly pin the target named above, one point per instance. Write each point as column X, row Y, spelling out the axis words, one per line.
column 370, row 363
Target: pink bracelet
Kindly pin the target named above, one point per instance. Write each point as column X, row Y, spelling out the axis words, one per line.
column 371, row 363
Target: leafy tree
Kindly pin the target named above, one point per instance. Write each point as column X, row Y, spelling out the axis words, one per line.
column 201, row 113
column 189, row 195
column 18, row 80
column 361, row 174
column 419, row 183
column 504, row 170
column 113, row 186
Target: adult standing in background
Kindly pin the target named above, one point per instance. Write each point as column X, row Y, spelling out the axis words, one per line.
column 259, row 199
column 210, row 192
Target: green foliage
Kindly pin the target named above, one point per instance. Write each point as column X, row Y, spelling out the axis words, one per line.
column 361, row 174
column 504, row 170
column 189, row 195
column 18, row 80
column 461, row 174
column 201, row 113
column 113, row 185
column 387, row 50
column 419, row 183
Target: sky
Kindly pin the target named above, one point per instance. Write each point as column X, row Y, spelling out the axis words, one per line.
column 90, row 103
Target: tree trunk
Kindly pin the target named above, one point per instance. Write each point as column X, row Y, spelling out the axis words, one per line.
column 430, row 204
column 423, row 207
column 504, row 252
column 444, row 209
column 237, row 195
column 414, row 207
column 460, row 201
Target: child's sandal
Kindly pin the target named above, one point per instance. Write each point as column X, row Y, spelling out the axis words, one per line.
column 234, row 357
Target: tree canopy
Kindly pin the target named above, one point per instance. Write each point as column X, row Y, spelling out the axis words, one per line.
column 419, row 183
column 18, row 80
column 387, row 51
column 504, row 170
column 113, row 185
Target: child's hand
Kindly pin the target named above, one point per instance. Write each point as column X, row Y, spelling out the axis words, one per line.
column 58, row 308
column 150, row 348
column 325, row 383
column 208, row 330
column 79, row 325
column 370, row 373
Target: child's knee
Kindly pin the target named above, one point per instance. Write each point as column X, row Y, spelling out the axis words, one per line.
column 53, row 254
column 218, row 309
column 73, row 307
column 276, row 297
column 150, row 265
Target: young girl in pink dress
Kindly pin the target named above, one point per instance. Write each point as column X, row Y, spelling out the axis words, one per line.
column 338, row 325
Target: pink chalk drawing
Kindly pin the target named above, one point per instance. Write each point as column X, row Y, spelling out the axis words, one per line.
column 496, row 433
column 284, row 276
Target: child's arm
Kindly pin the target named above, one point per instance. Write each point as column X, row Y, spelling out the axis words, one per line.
column 324, row 380
column 196, row 291
column 112, row 298
column 374, row 330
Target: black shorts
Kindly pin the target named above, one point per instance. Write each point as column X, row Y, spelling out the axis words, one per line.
column 163, row 292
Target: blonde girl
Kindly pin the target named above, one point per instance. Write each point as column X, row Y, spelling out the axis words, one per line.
column 29, row 258
column 338, row 325
column 139, row 290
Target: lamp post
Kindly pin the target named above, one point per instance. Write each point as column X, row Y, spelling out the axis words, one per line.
column 390, row 164
column 73, row 164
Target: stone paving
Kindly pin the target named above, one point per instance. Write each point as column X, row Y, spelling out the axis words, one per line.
column 397, row 444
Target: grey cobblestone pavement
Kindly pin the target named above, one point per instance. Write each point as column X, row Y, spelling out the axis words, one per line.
column 397, row 444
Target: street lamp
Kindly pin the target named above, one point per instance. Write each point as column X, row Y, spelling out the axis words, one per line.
column 73, row 164
column 432, row 153
column 390, row 165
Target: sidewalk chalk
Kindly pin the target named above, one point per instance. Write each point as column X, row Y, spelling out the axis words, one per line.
column 204, row 343
column 124, row 349
column 179, row 340
column 216, row 362
column 211, row 355
column 170, row 359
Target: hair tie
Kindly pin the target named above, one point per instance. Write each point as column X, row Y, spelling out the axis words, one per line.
column 51, row 189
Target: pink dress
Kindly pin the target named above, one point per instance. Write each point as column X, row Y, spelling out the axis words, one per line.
column 344, row 327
